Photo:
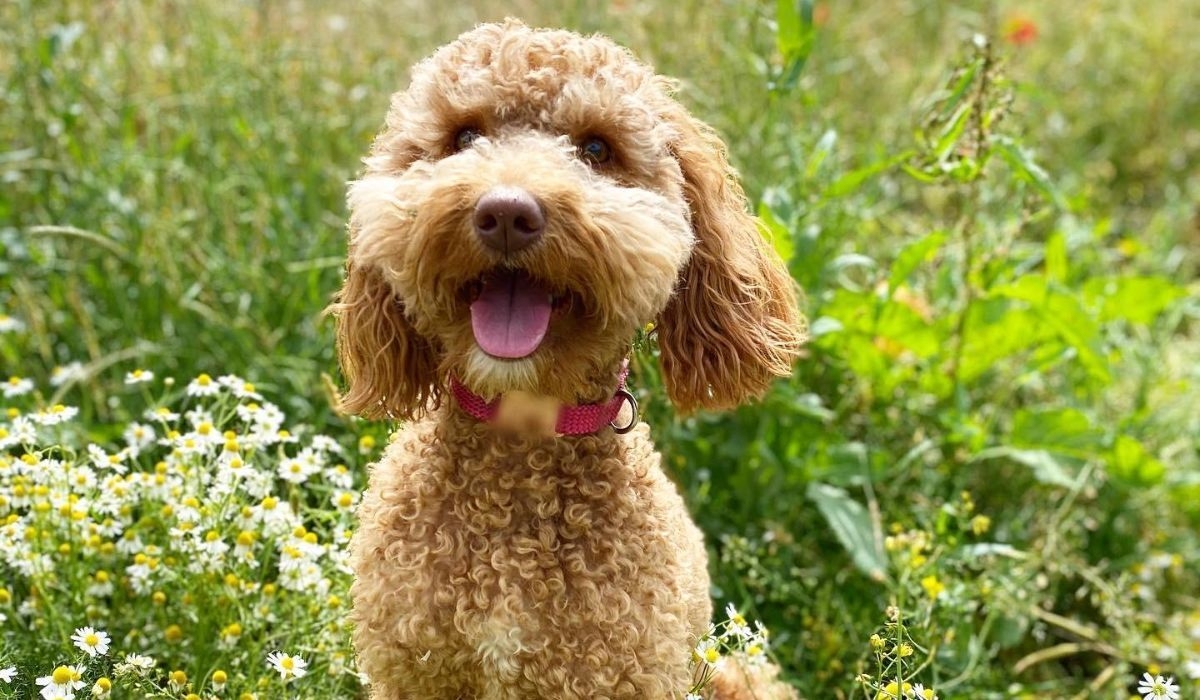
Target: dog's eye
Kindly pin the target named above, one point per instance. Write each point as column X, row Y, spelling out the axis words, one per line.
column 595, row 150
column 465, row 137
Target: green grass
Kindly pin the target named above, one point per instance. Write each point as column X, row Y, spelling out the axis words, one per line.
column 1019, row 324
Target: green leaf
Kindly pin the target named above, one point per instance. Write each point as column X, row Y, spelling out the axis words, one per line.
column 913, row 256
column 851, row 181
column 780, row 234
column 795, row 34
column 1026, row 169
column 1133, row 465
column 1056, row 257
column 851, row 524
column 819, row 153
column 1134, row 299
column 1066, row 431
column 1042, row 465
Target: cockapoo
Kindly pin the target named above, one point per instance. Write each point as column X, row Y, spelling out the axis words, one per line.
column 535, row 199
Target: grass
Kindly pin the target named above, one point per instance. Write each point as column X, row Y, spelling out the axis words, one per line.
column 1003, row 287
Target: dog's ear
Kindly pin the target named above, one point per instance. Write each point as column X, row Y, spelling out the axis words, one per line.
column 732, row 324
column 391, row 369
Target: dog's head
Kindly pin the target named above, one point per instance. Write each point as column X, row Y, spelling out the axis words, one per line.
column 535, row 198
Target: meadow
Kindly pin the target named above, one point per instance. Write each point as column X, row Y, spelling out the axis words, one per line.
column 983, row 480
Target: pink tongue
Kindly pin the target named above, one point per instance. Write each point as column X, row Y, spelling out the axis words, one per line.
column 511, row 315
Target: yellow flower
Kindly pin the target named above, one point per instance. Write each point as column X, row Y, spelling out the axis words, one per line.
column 933, row 587
column 980, row 524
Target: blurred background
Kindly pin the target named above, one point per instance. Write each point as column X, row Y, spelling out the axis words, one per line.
column 991, row 207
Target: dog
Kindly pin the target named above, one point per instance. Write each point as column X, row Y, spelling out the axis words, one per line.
column 535, row 199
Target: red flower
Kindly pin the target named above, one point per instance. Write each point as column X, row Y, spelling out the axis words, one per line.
column 1020, row 30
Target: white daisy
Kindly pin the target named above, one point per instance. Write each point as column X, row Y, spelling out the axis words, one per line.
column 91, row 641
column 134, row 665
column 707, row 651
column 8, row 674
column 54, row 415
column 70, row 372
column 203, row 385
column 1192, row 668
column 289, row 667
column 1154, row 687
column 62, row 682
column 8, row 324
column 138, row 376
column 16, row 386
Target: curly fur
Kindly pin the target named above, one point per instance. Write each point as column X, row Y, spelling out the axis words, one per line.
column 496, row 565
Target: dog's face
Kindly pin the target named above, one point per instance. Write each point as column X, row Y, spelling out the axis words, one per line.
column 535, row 198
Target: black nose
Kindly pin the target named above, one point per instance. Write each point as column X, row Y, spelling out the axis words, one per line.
column 508, row 219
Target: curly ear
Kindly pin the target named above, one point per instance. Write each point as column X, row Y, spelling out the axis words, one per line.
column 392, row 370
column 732, row 325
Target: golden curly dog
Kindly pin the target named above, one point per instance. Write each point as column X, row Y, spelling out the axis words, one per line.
column 535, row 198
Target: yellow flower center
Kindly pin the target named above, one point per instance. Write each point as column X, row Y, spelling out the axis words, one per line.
column 62, row 675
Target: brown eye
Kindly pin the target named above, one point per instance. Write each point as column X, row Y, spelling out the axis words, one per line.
column 595, row 150
column 465, row 137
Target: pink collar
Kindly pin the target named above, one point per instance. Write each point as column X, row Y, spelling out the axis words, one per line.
column 572, row 420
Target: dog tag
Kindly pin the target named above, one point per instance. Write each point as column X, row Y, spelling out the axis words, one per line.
column 528, row 413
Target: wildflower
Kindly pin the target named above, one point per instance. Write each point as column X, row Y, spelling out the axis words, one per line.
column 1154, row 687
column 339, row 475
column 102, row 688
column 877, row 642
column 203, row 385
column 904, row 650
column 90, row 641
column 8, row 324
column 138, row 376
column 980, row 524
column 893, row 691
column 134, row 665
column 1020, row 30
column 63, row 681
column 240, row 387
column 920, row 692
column 219, row 679
column 17, row 386
column 54, row 415
column 161, row 414
column 707, row 651
column 289, row 667
column 324, row 443
column 7, row 674
column 737, row 623
column 177, row 680
column 70, row 372
column 343, row 500
column 230, row 634
column 1192, row 668
column 295, row 470
column 933, row 587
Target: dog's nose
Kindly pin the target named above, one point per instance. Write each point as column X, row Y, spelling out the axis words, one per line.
column 508, row 219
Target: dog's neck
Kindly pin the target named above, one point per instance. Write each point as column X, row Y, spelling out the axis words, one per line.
column 527, row 413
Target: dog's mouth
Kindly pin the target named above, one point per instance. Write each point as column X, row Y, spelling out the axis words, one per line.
column 511, row 312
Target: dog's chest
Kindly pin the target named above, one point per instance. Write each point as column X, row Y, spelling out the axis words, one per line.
column 522, row 550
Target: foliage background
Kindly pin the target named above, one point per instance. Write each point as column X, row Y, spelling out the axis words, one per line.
column 1001, row 279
